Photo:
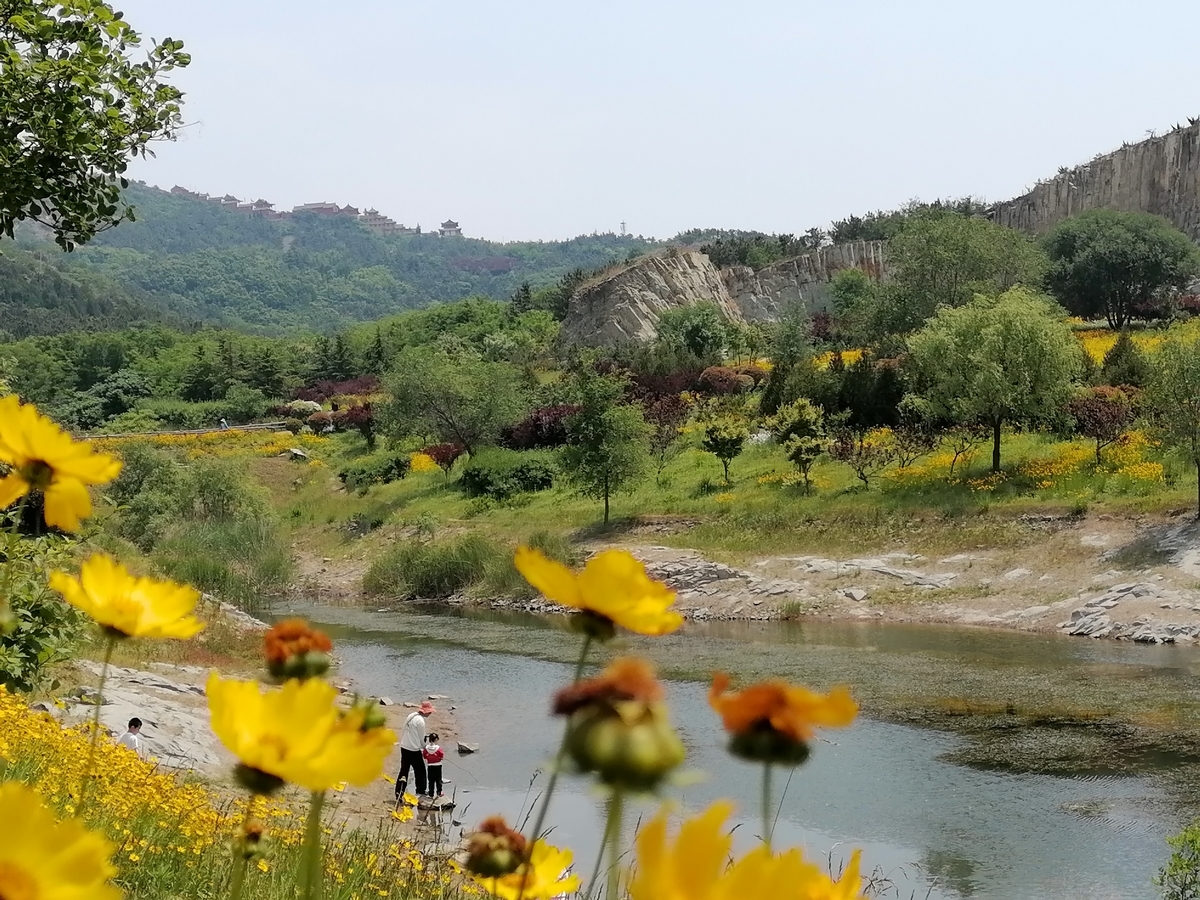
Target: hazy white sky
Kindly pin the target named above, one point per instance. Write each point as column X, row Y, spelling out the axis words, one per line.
column 536, row 119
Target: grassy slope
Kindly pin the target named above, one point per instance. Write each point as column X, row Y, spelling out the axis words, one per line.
column 689, row 506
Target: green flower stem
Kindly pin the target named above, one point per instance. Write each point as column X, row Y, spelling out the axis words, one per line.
column 311, row 873
column 616, row 812
column 88, row 771
column 558, row 763
column 240, row 858
column 766, row 805
column 594, row 881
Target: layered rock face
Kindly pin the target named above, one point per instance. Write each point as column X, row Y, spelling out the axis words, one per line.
column 624, row 304
column 762, row 296
column 1160, row 176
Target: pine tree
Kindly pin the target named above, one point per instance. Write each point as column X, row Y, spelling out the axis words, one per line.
column 375, row 360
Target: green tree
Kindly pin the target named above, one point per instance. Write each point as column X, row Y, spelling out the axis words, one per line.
column 460, row 399
column 608, row 440
column 1117, row 264
column 74, row 109
column 698, row 329
column 1124, row 363
column 940, row 258
column 995, row 361
column 725, row 439
column 375, row 359
column 792, row 360
column 1174, row 397
column 798, row 428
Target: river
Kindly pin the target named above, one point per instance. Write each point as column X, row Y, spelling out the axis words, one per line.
column 1004, row 791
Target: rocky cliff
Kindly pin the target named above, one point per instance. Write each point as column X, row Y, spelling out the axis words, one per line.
column 624, row 304
column 762, row 295
column 1160, row 175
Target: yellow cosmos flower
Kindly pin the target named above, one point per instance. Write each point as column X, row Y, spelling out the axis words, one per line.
column 43, row 457
column 297, row 733
column 694, row 867
column 547, row 878
column 130, row 606
column 613, row 584
column 46, row 859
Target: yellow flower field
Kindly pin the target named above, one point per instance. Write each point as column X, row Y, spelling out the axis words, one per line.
column 173, row 834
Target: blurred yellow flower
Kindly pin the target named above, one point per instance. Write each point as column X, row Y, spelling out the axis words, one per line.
column 548, row 877
column 613, row 585
column 43, row 457
column 297, row 733
column 44, row 859
column 129, row 606
column 695, row 866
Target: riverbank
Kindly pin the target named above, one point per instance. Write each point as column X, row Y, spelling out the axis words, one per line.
column 1095, row 576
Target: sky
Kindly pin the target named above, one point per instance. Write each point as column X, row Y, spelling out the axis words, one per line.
column 528, row 119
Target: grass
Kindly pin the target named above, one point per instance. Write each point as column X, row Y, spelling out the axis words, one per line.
column 414, row 531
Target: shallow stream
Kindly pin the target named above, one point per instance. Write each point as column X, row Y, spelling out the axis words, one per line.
column 988, row 764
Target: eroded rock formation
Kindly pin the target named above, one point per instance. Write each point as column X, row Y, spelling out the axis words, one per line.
column 624, row 304
column 1160, row 175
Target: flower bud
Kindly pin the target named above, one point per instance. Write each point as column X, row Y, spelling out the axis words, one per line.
column 495, row 850
column 619, row 726
column 295, row 650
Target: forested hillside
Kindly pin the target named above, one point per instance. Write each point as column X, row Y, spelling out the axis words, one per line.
column 198, row 262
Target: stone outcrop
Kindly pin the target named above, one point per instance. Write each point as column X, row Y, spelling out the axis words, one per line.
column 762, row 295
column 1096, row 618
column 624, row 304
column 1160, row 175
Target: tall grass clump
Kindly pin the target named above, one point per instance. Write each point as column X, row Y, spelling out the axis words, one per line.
column 502, row 578
column 433, row 570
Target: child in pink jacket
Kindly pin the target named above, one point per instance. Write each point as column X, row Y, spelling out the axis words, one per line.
column 433, row 755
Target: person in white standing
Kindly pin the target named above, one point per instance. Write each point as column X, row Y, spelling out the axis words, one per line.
column 132, row 738
column 412, row 742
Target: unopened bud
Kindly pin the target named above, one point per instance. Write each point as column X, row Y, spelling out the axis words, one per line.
column 632, row 748
column 295, row 650
column 372, row 715
column 495, row 850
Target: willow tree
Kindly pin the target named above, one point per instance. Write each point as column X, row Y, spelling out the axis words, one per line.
column 996, row 361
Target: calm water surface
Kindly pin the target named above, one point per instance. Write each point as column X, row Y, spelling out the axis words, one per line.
column 935, row 827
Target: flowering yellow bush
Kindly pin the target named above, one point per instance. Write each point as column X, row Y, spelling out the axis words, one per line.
column 223, row 444
column 1129, row 449
column 1062, row 462
column 849, row 357
column 724, row 497
column 1098, row 341
column 422, row 462
column 172, row 835
column 1143, row 471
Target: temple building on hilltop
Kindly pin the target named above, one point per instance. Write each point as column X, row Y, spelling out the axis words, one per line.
column 450, row 228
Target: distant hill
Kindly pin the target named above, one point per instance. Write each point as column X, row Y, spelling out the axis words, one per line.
column 194, row 260
column 40, row 295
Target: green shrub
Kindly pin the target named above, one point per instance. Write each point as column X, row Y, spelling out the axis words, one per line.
column 433, row 570
column 1179, row 879
column 501, row 474
column 45, row 628
column 379, row 468
column 502, row 578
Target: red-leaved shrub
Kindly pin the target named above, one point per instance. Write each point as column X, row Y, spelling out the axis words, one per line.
column 543, row 429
